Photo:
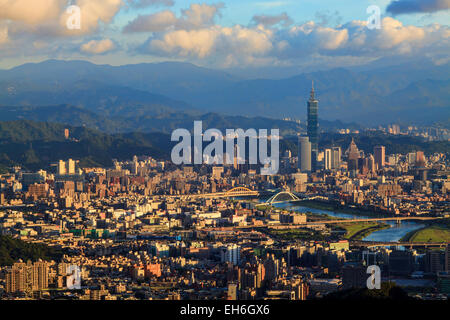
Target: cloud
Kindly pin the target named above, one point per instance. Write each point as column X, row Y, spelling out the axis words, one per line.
column 271, row 20
column 49, row 17
column 149, row 3
column 417, row 6
column 30, row 12
column 224, row 45
column 156, row 22
column 93, row 13
column 237, row 45
column 98, row 47
column 3, row 34
column 197, row 16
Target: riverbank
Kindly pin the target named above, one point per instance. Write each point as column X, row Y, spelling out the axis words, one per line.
column 432, row 233
column 335, row 208
column 358, row 231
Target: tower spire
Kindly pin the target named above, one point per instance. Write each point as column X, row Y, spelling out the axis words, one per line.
column 312, row 90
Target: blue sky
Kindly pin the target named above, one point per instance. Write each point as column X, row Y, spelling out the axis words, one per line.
column 224, row 34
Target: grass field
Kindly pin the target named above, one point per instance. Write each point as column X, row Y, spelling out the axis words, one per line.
column 431, row 234
column 359, row 230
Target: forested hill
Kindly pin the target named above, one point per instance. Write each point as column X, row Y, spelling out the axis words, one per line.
column 11, row 250
column 36, row 145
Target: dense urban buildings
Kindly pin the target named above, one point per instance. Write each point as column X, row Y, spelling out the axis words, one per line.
column 147, row 229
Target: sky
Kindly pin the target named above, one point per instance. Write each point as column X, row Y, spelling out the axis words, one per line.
column 224, row 34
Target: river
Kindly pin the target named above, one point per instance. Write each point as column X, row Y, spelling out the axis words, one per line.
column 393, row 234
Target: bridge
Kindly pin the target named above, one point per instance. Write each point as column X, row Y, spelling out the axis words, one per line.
column 235, row 192
column 280, row 197
column 371, row 244
column 396, row 219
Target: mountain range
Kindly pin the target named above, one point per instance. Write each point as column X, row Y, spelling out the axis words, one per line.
column 413, row 92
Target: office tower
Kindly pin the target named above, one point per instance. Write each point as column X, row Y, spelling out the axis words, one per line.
column 353, row 155
column 336, row 155
column 62, row 167
column 71, row 166
column 313, row 127
column 235, row 158
column 380, row 156
column 304, row 154
column 328, row 159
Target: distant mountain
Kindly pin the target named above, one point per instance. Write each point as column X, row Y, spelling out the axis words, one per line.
column 144, row 119
column 365, row 95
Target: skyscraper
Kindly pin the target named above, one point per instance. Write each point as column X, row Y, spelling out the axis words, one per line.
column 313, row 127
column 380, row 156
column 304, row 154
column 328, row 159
column 335, row 157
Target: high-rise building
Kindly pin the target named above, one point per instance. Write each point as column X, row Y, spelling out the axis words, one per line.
column 304, row 154
column 420, row 159
column 313, row 127
column 380, row 156
column 71, row 166
column 353, row 155
column 62, row 167
column 27, row 277
column 336, row 155
column 231, row 253
column 328, row 159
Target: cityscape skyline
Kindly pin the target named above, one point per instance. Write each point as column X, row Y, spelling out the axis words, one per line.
column 225, row 159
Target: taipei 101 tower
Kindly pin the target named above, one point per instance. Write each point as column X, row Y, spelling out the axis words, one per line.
column 313, row 127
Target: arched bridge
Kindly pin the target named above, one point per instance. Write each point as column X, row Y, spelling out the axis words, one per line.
column 240, row 192
column 235, row 192
column 281, row 197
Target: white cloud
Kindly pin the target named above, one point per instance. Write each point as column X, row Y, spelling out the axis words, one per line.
column 49, row 17
column 98, row 47
column 258, row 44
column 93, row 13
column 197, row 16
column 224, row 45
column 31, row 12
